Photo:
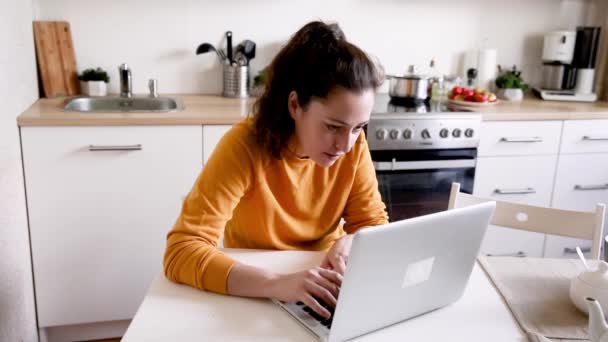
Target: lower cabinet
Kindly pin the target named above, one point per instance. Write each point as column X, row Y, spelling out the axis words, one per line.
column 521, row 179
column 581, row 182
column 100, row 203
column 211, row 136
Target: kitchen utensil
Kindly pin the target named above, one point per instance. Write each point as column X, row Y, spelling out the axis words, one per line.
column 471, row 77
column 229, row 46
column 582, row 257
column 249, row 49
column 594, row 284
column 56, row 58
column 206, row 47
column 236, row 81
column 411, row 86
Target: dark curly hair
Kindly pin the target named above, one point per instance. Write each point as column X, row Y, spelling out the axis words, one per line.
column 316, row 59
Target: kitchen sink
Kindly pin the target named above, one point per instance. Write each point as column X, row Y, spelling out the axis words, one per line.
column 112, row 104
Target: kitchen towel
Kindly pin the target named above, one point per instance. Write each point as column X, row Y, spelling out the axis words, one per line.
column 537, row 293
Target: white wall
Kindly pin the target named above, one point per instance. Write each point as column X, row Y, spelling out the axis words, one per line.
column 158, row 37
column 18, row 89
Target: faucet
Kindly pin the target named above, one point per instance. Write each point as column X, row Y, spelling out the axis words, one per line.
column 126, row 89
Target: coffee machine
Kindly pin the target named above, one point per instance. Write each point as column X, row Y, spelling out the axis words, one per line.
column 569, row 65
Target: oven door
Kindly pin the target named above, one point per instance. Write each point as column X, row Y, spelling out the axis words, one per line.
column 419, row 183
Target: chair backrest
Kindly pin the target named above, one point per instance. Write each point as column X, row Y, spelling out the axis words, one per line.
column 569, row 223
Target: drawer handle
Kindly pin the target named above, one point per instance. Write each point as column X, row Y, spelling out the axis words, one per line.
column 522, row 139
column 591, row 187
column 590, row 137
column 519, row 254
column 571, row 250
column 515, row 191
column 97, row 148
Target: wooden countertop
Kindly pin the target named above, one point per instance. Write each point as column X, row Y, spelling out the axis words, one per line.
column 217, row 110
column 199, row 110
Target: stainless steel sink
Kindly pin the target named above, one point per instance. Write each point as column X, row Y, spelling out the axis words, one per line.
column 113, row 104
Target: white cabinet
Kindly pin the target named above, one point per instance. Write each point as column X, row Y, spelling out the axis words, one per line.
column 211, row 136
column 503, row 138
column 516, row 163
column 100, row 202
column 585, row 136
column 521, row 179
column 581, row 182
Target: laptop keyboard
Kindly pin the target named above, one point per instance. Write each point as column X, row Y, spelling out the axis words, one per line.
column 319, row 318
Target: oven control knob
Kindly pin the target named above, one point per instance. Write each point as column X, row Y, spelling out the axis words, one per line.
column 381, row 134
column 444, row 133
column 456, row 133
column 425, row 134
column 407, row 134
column 469, row 133
column 394, row 134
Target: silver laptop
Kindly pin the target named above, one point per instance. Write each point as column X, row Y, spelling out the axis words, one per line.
column 401, row 270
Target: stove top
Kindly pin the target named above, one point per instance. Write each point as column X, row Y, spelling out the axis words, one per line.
column 407, row 125
column 384, row 104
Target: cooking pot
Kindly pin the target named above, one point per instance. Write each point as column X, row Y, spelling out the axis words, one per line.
column 411, row 86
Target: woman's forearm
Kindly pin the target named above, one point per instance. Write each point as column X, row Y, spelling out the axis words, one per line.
column 248, row 281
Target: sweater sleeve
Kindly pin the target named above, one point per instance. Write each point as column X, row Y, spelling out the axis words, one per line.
column 191, row 254
column 364, row 206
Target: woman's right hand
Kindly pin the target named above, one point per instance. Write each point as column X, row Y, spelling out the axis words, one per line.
column 307, row 285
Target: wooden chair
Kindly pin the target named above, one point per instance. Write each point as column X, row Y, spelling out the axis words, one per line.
column 568, row 223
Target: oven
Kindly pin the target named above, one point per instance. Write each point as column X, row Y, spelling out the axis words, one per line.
column 418, row 182
column 418, row 155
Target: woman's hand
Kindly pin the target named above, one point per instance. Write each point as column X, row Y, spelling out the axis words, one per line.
column 337, row 256
column 307, row 285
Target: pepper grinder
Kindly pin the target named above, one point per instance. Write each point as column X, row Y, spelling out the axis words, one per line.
column 471, row 76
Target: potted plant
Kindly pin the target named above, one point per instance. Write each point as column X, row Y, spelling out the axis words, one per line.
column 259, row 83
column 510, row 85
column 93, row 82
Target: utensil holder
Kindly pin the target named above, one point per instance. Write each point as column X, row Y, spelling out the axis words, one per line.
column 236, row 81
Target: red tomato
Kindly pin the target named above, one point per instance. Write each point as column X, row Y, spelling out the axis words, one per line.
column 480, row 97
column 457, row 90
column 470, row 98
column 468, row 92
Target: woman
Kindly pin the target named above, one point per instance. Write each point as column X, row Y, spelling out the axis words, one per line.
column 284, row 178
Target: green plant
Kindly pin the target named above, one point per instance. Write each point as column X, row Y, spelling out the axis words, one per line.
column 260, row 78
column 511, row 79
column 94, row 75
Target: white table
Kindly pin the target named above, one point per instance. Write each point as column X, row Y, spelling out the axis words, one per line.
column 172, row 312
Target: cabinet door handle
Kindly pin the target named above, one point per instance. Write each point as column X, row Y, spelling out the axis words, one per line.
column 522, row 139
column 591, row 187
column 591, row 137
column 572, row 250
column 97, row 148
column 515, row 191
column 519, row 254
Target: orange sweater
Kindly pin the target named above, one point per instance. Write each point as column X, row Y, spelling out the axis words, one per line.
column 258, row 201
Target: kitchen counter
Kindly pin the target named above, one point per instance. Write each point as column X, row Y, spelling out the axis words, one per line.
column 217, row 110
column 199, row 110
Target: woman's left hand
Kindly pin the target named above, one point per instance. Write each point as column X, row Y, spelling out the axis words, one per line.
column 337, row 256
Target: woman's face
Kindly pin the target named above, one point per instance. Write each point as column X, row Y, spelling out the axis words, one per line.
column 327, row 128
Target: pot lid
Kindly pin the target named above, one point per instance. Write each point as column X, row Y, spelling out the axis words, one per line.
column 597, row 278
column 411, row 74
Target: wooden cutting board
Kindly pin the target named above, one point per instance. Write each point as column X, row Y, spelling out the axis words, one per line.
column 56, row 58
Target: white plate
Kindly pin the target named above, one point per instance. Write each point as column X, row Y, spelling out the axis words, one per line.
column 472, row 104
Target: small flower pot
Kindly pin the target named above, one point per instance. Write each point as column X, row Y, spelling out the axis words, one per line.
column 94, row 88
column 510, row 94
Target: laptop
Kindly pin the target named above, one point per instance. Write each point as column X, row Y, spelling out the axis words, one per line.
column 401, row 270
